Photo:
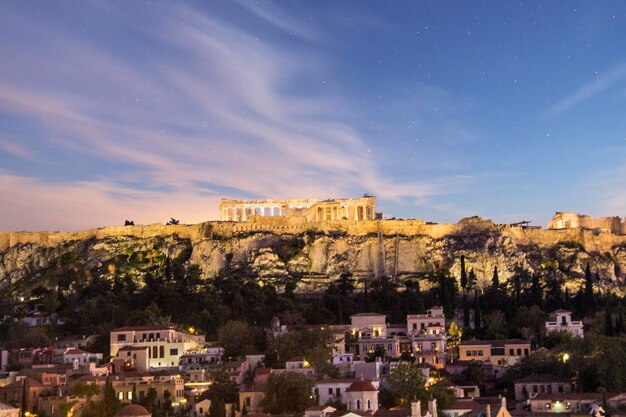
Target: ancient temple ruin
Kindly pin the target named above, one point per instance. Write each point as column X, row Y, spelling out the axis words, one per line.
column 570, row 220
column 354, row 209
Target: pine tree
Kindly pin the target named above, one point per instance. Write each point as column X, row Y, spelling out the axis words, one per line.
column 133, row 400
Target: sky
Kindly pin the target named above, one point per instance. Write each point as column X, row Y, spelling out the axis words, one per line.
column 115, row 110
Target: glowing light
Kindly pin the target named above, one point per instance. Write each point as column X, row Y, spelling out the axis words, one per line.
column 565, row 357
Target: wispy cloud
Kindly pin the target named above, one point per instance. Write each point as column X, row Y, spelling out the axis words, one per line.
column 221, row 113
column 587, row 91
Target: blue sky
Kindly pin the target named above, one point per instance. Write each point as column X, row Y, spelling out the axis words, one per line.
column 148, row 110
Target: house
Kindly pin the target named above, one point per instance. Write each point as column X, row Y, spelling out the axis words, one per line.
column 339, row 359
column 361, row 395
column 133, row 358
column 430, row 349
column 561, row 321
column 250, row 399
column 76, row 342
column 497, row 352
column 433, row 322
column 238, row 370
column 532, row 385
column 331, row 390
column 201, row 409
column 572, row 403
column 8, row 411
column 368, row 325
column 168, row 386
column 300, row 365
column 78, row 357
column 369, row 344
column 477, row 407
column 465, row 391
column 203, row 359
column 319, row 411
column 165, row 344
column 261, row 375
column 11, row 394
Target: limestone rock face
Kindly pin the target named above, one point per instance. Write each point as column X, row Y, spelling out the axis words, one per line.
column 312, row 254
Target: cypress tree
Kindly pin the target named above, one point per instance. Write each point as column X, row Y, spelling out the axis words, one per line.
column 588, row 302
column 477, row 313
column 536, row 291
column 495, row 280
column 608, row 321
column 466, row 311
column 24, row 399
column 463, row 274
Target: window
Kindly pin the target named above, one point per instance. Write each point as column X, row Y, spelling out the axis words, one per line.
column 142, row 395
column 121, row 337
column 128, row 353
column 161, row 351
column 519, row 352
column 369, row 404
column 497, row 351
column 414, row 326
column 173, row 352
column 155, row 351
column 330, row 391
column 338, row 392
column 129, row 395
column 511, row 352
column 201, row 410
column 358, row 404
column 560, row 388
column 248, row 402
column 568, row 405
column 120, row 396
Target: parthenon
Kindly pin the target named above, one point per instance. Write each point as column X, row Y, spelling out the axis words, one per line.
column 355, row 209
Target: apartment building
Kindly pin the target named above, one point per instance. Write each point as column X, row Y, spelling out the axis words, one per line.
column 433, row 322
column 497, row 352
column 166, row 345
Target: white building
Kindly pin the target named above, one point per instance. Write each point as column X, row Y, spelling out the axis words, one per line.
column 362, row 396
column 561, row 320
column 368, row 325
column 166, row 345
column 79, row 357
column 433, row 322
column 334, row 389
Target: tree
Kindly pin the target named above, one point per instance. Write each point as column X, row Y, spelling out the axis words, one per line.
column 495, row 280
column 463, row 274
column 24, row 399
column 495, row 325
column 588, row 300
column 293, row 386
column 237, row 338
column 407, row 382
column 475, row 373
column 477, row 312
column 81, row 388
column 217, row 408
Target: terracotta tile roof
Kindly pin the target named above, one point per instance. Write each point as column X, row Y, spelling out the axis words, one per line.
column 360, row 386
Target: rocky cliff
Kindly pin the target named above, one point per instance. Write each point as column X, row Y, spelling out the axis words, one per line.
column 274, row 249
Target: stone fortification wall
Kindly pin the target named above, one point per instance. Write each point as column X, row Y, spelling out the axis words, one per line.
column 297, row 225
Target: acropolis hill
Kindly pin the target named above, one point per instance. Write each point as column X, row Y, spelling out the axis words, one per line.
column 312, row 252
